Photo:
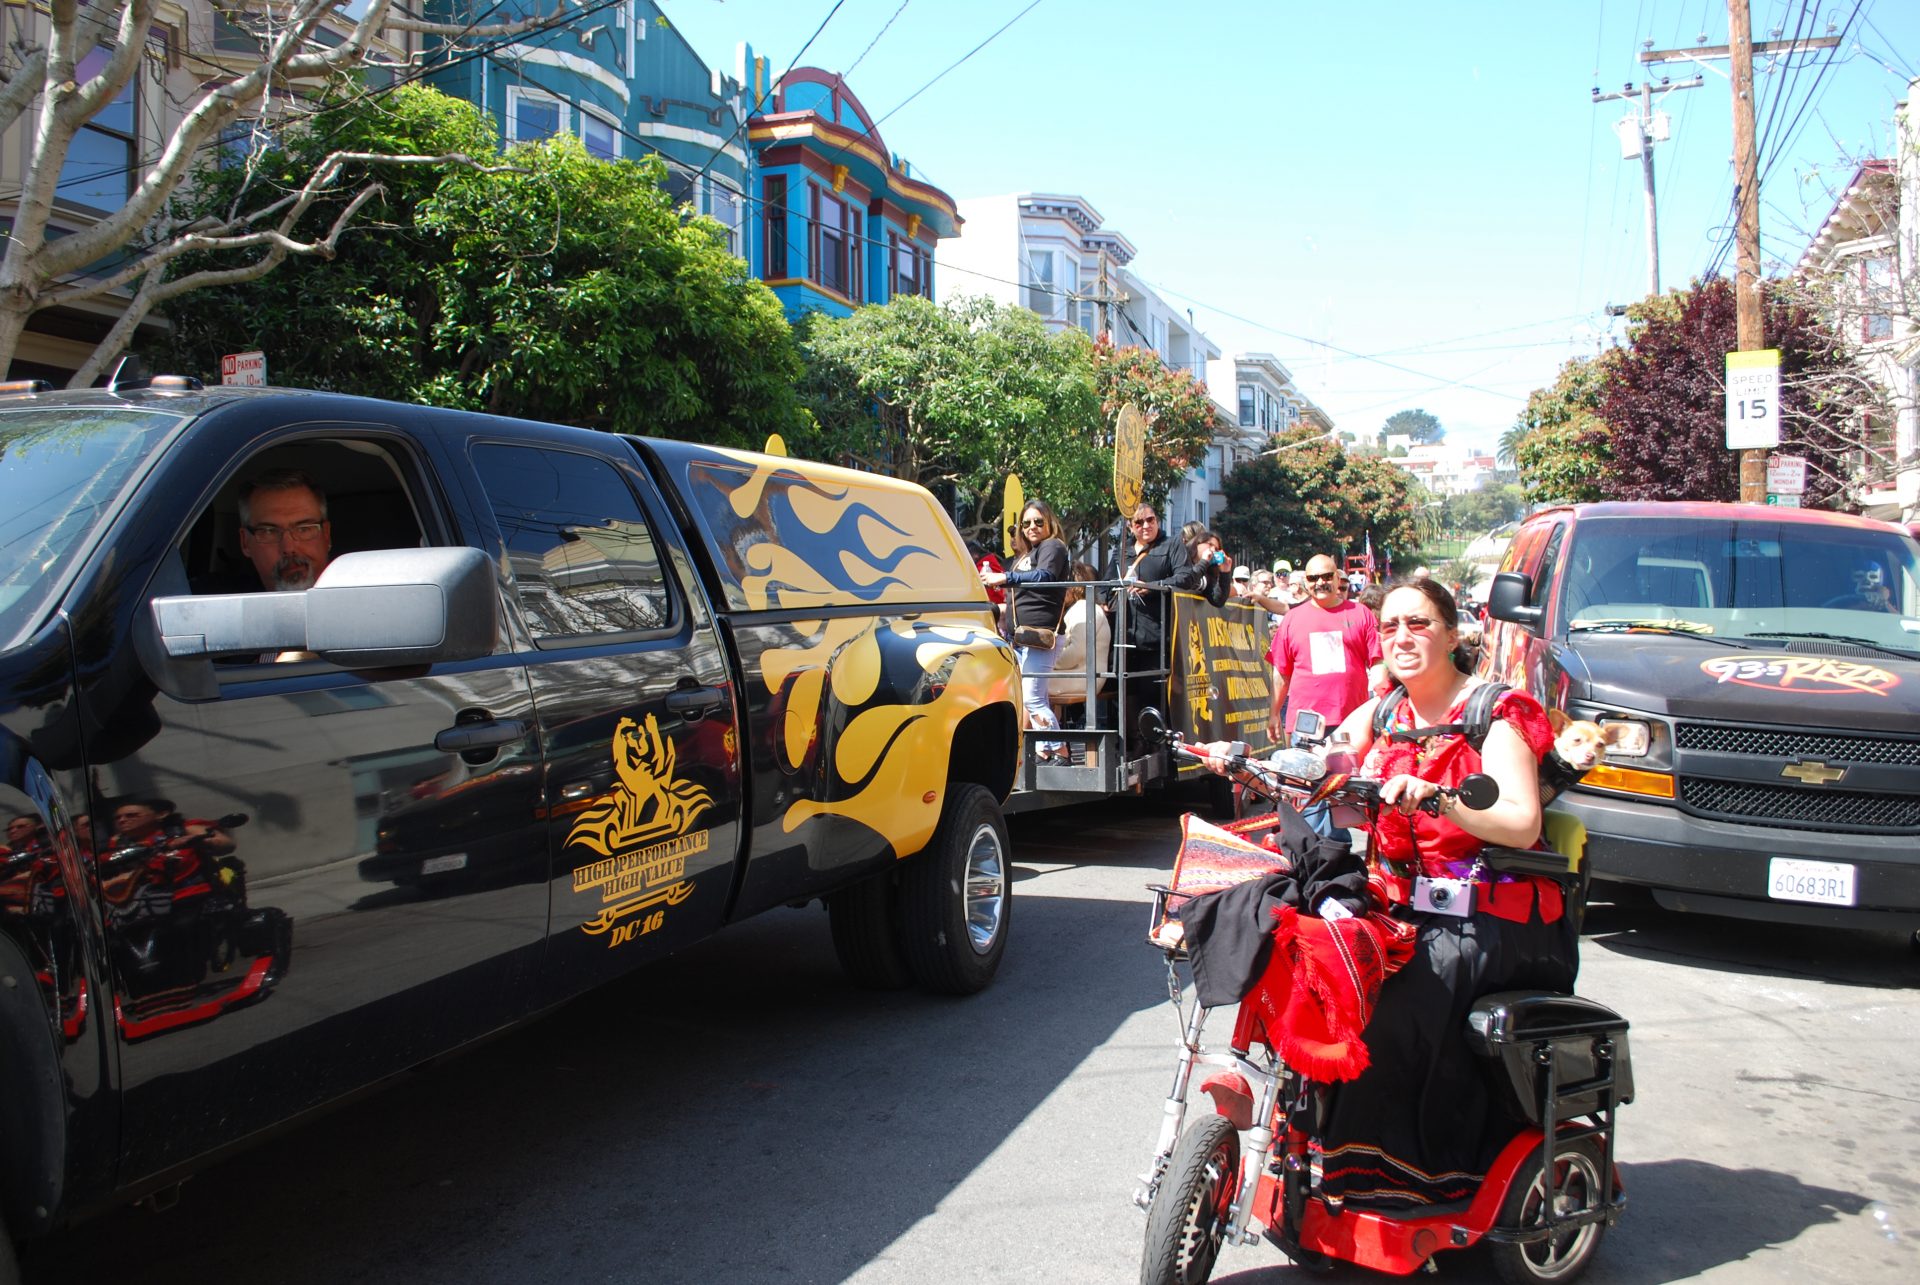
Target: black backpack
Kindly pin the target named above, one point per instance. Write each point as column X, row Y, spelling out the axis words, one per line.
column 1475, row 720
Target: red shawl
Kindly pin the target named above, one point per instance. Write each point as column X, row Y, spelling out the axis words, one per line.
column 1322, row 981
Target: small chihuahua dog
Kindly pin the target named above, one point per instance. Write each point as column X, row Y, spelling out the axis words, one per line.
column 1578, row 746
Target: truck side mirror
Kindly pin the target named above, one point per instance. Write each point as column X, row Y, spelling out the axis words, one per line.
column 1511, row 598
column 368, row 610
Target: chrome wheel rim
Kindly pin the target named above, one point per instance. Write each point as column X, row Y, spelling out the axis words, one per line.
column 986, row 888
column 1206, row 1220
column 1562, row 1256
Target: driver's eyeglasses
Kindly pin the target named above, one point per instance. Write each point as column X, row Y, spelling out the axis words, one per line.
column 1419, row 626
column 1034, row 522
column 1320, row 579
column 1146, row 521
column 304, row 532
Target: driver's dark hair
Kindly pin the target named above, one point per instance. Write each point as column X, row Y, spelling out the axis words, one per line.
column 280, row 479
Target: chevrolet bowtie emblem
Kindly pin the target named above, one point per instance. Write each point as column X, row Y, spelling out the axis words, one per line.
column 1809, row 772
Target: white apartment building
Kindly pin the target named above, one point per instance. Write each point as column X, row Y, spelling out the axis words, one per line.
column 1052, row 253
column 1443, row 467
column 1265, row 401
column 1869, row 247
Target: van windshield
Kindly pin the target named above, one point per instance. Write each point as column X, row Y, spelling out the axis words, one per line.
column 1768, row 581
column 62, row 470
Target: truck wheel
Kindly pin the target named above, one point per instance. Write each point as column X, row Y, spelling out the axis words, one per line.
column 865, row 922
column 1188, row 1217
column 1576, row 1163
column 956, row 897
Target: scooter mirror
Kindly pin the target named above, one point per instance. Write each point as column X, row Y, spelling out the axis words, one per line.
column 1301, row 765
column 1153, row 726
column 1479, row 791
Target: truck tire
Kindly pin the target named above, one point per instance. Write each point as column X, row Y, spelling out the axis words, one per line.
column 956, row 897
column 865, row 920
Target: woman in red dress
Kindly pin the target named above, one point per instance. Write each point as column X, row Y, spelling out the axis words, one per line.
column 1418, row 1127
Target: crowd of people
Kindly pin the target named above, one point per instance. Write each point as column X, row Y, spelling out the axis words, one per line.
column 1322, row 620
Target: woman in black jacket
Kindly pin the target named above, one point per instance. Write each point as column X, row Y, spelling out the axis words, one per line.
column 1214, row 566
column 1033, row 614
column 1160, row 559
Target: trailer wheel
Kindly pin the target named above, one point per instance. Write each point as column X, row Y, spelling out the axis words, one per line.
column 956, row 896
column 865, row 920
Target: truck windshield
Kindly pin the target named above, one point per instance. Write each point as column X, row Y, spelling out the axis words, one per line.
column 61, row 472
column 1763, row 580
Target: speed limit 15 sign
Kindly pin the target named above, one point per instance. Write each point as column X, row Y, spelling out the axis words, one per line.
column 1753, row 400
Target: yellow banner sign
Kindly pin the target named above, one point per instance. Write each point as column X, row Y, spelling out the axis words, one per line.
column 1129, row 459
column 1010, row 507
column 1221, row 690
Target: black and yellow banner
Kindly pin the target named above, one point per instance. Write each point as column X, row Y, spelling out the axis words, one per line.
column 1221, row 690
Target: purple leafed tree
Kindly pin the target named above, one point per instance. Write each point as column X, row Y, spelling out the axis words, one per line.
column 1665, row 404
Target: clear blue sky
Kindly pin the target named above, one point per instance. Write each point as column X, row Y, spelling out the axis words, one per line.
column 1429, row 185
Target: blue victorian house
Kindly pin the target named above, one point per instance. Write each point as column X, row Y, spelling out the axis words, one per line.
column 627, row 84
column 840, row 220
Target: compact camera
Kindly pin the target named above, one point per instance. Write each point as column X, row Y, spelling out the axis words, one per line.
column 1443, row 896
column 1218, row 558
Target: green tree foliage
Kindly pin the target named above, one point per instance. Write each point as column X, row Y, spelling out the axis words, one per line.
column 1178, row 410
column 1417, row 424
column 1559, row 442
column 1482, row 510
column 566, row 288
column 955, row 397
column 1664, row 399
column 1313, row 497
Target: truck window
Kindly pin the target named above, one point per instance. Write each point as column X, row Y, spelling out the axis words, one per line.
column 365, row 497
column 583, row 555
column 787, row 534
column 1549, row 560
column 1759, row 579
column 64, row 469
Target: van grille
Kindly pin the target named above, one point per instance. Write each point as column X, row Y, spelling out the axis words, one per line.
column 1828, row 747
column 1802, row 807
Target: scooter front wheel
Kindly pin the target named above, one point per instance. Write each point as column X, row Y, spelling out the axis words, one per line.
column 1188, row 1217
column 1577, row 1164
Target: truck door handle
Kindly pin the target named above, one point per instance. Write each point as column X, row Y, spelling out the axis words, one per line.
column 693, row 703
column 479, row 735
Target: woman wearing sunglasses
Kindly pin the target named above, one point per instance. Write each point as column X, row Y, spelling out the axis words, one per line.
column 1033, row 614
column 1418, row 1127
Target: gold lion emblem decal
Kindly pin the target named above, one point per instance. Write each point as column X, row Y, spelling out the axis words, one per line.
column 1199, row 685
column 647, row 802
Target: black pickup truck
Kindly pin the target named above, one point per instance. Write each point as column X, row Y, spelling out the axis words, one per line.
column 339, row 733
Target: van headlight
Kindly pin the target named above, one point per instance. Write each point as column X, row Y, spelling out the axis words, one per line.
column 1627, row 738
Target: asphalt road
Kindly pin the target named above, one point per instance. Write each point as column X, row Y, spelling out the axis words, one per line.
column 738, row 1113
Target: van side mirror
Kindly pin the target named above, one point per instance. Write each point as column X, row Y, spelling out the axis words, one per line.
column 1511, row 599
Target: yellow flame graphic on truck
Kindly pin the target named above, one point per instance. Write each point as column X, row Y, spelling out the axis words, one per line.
column 869, row 701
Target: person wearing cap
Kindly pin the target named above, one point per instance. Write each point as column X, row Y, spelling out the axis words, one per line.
column 1242, row 580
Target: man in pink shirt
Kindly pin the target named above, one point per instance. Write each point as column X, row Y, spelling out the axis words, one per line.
column 1321, row 653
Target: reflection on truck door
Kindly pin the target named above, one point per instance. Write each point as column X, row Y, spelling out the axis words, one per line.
column 642, row 794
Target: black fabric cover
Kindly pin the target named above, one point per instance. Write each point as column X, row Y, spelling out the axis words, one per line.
column 1229, row 933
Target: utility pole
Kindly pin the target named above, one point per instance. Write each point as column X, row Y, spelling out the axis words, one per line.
column 1749, row 320
column 1648, row 128
column 1100, row 301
